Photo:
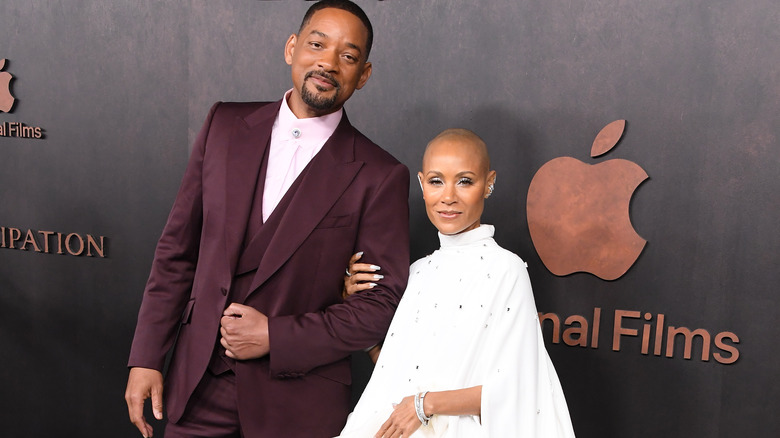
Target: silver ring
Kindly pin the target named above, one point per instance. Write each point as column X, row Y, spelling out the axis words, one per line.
column 348, row 274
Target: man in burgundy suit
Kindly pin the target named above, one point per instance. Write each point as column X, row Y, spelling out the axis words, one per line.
column 247, row 276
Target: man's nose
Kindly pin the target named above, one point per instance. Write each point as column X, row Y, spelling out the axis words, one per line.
column 328, row 60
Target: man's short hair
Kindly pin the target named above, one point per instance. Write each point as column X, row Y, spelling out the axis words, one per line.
column 344, row 5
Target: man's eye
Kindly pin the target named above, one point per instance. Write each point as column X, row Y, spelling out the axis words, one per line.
column 316, row 45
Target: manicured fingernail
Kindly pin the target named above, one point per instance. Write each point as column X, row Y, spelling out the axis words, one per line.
column 360, row 254
column 378, row 277
column 375, row 268
column 372, row 285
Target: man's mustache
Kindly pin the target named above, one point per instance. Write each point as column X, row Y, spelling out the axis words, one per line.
column 324, row 75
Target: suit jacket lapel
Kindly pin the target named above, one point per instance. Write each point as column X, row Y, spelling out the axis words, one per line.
column 248, row 142
column 329, row 174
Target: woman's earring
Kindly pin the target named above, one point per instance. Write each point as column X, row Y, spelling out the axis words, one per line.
column 490, row 191
column 420, row 181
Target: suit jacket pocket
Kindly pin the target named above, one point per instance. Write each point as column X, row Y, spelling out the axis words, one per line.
column 335, row 221
column 185, row 316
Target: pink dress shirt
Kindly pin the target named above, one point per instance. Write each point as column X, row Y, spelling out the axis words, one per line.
column 294, row 142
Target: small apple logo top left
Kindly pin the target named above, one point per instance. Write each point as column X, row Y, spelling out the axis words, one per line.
column 6, row 98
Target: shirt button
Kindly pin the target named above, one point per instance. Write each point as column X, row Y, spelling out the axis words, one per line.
column 296, row 132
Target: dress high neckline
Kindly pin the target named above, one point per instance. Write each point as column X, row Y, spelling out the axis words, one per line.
column 480, row 233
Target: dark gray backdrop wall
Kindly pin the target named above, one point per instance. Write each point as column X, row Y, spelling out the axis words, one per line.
column 121, row 88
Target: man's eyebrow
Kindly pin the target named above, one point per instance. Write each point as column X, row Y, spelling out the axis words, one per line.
column 354, row 46
column 318, row 33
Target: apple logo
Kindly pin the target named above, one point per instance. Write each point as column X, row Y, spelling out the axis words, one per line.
column 578, row 214
column 6, row 98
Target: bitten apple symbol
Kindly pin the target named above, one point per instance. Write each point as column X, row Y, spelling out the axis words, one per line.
column 6, row 99
column 578, row 214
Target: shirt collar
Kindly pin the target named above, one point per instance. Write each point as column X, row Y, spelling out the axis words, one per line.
column 312, row 129
column 481, row 233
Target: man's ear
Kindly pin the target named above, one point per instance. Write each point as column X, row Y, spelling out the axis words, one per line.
column 289, row 49
column 365, row 75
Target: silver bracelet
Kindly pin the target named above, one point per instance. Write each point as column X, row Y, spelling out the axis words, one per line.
column 419, row 408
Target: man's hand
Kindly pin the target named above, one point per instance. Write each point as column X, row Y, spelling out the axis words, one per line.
column 144, row 383
column 244, row 332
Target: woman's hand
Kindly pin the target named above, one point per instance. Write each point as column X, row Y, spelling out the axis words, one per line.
column 362, row 276
column 402, row 422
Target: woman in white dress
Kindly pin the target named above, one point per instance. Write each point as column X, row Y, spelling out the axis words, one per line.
column 464, row 355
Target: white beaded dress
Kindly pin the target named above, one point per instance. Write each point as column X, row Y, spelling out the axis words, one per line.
column 467, row 318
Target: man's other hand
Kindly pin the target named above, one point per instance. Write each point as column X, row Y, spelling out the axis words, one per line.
column 144, row 383
column 244, row 332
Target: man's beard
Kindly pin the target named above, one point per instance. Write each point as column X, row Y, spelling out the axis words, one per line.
column 316, row 101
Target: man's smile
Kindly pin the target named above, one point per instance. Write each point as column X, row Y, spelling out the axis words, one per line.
column 322, row 80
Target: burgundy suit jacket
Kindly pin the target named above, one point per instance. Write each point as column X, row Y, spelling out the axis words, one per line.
column 352, row 197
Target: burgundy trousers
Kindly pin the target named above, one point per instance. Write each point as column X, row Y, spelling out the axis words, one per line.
column 212, row 411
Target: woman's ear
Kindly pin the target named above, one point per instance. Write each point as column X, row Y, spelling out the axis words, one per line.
column 491, row 183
